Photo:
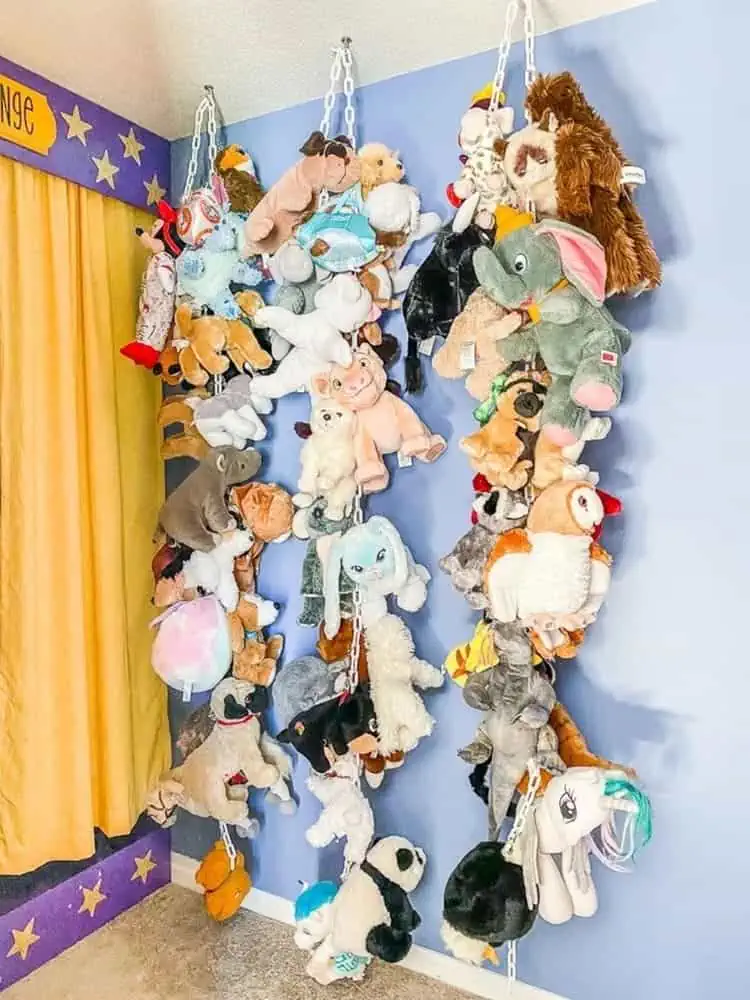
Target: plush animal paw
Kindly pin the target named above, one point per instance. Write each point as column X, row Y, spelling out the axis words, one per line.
column 559, row 435
column 595, row 396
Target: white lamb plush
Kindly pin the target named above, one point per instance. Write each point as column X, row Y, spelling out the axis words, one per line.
column 328, row 460
column 213, row 571
column 346, row 812
column 394, row 669
column 342, row 305
column 394, row 207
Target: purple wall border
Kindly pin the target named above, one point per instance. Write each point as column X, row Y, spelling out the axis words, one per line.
column 71, row 159
column 54, row 918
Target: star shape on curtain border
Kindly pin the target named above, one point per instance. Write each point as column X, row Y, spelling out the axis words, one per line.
column 132, row 146
column 143, row 868
column 92, row 898
column 105, row 169
column 77, row 127
column 23, row 940
column 155, row 192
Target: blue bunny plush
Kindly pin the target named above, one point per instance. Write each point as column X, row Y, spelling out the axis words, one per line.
column 376, row 560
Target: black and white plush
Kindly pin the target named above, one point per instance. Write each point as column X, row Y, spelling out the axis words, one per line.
column 371, row 914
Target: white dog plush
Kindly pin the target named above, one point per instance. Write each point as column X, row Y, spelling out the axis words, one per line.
column 394, row 669
column 328, row 461
column 346, row 812
column 213, row 571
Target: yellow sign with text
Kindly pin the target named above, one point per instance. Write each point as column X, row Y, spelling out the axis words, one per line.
column 26, row 118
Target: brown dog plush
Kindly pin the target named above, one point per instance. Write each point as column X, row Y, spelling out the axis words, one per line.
column 254, row 658
column 327, row 164
column 207, row 344
column 188, row 443
column 378, row 165
column 569, row 165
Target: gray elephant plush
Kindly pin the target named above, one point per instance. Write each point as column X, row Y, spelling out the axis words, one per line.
column 556, row 273
column 517, row 701
column 492, row 513
column 374, row 557
column 196, row 513
column 312, row 523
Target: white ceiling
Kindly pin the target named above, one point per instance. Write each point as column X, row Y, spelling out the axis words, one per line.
column 147, row 59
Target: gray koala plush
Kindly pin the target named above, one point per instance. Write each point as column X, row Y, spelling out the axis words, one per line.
column 196, row 512
column 312, row 523
column 492, row 513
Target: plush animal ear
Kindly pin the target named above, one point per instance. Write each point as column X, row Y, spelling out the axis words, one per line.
column 332, row 615
column 549, row 122
column 183, row 318
column 400, row 555
column 221, row 462
column 274, row 647
column 314, row 144
column 321, row 384
column 581, row 256
column 404, row 859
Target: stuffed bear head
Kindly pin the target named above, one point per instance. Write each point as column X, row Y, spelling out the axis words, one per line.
column 329, row 163
column 357, row 387
column 344, row 301
column 399, row 860
column 379, row 164
column 331, row 418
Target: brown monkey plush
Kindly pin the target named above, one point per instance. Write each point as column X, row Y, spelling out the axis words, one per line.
column 569, row 165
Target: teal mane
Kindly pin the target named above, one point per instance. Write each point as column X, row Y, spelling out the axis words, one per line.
column 641, row 821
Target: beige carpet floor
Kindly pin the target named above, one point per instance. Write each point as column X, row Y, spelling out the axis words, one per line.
column 166, row 948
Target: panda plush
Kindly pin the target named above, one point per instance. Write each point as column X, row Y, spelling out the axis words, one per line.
column 371, row 914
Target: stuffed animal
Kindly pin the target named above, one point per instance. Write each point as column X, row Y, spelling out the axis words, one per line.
column 327, row 165
column 328, row 730
column 158, row 289
column 192, row 649
column 235, row 167
column 231, row 418
column 207, row 345
column 294, row 273
column 213, row 572
column 342, row 305
column 439, row 291
column 169, row 580
column 394, row 670
column 168, row 365
column 493, row 512
column 313, row 523
column 517, row 701
column 376, row 560
column 304, row 683
column 328, row 460
column 474, row 656
column 196, row 512
column 266, row 511
column 551, row 575
column 484, row 905
column 576, row 814
column 346, row 812
column 569, row 165
column 234, row 746
column 188, row 442
column 225, row 885
column 371, row 914
column 254, row 658
column 312, row 916
column 378, row 165
column 471, row 349
column 557, row 274
column 339, row 237
column 483, row 183
column 385, row 423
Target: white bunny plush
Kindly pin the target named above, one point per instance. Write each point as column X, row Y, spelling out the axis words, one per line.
column 376, row 560
column 213, row 571
column 346, row 812
column 342, row 305
column 328, row 461
column 394, row 671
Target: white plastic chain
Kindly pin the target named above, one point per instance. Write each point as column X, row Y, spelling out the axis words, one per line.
column 357, row 608
column 529, row 30
column 206, row 107
column 511, row 963
column 342, row 63
column 231, row 849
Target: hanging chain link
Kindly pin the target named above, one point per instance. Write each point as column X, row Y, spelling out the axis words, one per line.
column 512, row 958
column 503, row 52
column 356, row 607
column 529, row 31
column 349, row 113
column 206, row 107
column 329, row 101
column 228, row 843
column 524, row 806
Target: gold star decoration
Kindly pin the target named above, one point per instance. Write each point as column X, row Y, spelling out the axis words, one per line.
column 77, row 127
column 154, row 190
column 143, row 868
column 92, row 898
column 23, row 940
column 105, row 170
column 132, row 146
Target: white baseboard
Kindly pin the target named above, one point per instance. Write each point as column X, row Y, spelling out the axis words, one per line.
column 479, row 982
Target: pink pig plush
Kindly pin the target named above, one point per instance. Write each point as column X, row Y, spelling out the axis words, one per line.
column 385, row 423
column 328, row 164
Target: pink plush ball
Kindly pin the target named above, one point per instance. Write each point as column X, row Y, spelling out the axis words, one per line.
column 192, row 648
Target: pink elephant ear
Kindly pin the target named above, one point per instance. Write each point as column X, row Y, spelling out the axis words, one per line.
column 582, row 258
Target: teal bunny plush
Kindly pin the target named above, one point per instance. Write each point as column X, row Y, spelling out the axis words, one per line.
column 556, row 274
column 374, row 557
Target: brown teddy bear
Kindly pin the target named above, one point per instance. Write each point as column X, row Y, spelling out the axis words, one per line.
column 224, row 886
column 569, row 165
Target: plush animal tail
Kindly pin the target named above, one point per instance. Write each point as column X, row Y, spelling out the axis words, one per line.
column 413, row 367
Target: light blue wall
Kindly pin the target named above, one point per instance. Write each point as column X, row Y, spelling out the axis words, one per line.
column 663, row 679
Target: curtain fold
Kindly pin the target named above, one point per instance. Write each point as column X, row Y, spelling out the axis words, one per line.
column 83, row 724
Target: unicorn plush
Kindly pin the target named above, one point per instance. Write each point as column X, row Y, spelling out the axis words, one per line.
column 574, row 817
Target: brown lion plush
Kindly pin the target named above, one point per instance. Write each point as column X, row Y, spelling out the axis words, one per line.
column 569, row 165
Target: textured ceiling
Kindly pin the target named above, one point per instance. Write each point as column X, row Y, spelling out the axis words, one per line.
column 147, row 59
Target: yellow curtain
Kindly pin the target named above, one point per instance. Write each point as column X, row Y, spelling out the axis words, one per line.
column 83, row 725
